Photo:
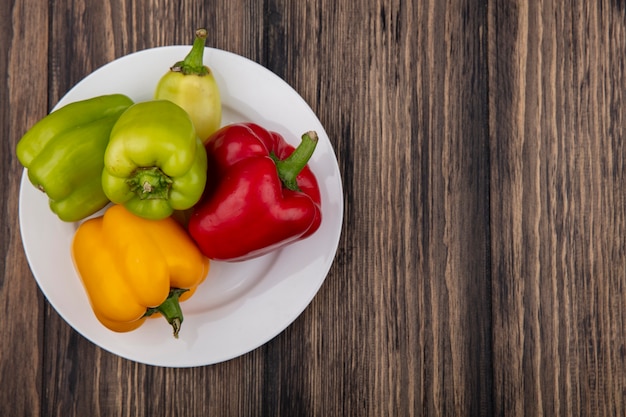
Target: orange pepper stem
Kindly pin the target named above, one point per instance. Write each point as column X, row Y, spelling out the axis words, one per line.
column 170, row 309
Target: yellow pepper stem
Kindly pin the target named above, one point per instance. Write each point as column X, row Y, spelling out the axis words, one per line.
column 170, row 309
column 193, row 62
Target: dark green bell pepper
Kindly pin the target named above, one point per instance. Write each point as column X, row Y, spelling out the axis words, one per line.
column 154, row 162
column 64, row 154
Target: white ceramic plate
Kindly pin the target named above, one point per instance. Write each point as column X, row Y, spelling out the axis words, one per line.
column 241, row 305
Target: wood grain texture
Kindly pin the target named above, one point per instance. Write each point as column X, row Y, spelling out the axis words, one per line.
column 23, row 96
column 482, row 261
column 557, row 131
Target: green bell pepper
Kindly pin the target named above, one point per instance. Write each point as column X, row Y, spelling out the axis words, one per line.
column 154, row 162
column 64, row 154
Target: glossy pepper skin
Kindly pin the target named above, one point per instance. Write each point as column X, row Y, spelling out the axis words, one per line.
column 191, row 85
column 262, row 195
column 64, row 154
column 132, row 267
column 154, row 163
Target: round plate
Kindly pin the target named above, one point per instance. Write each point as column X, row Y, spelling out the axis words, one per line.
column 241, row 305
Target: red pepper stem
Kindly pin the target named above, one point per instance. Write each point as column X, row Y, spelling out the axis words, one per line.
column 289, row 168
column 193, row 63
column 170, row 309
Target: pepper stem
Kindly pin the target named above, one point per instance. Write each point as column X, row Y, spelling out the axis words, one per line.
column 150, row 183
column 170, row 309
column 193, row 63
column 289, row 168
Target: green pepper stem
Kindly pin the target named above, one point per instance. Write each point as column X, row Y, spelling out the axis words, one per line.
column 193, row 63
column 170, row 309
column 150, row 183
column 289, row 168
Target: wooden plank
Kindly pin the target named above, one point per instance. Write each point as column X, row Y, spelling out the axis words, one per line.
column 23, row 101
column 558, row 207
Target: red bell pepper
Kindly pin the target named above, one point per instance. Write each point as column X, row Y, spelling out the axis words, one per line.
column 261, row 195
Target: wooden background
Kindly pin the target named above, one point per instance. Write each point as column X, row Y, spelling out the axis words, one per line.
column 482, row 265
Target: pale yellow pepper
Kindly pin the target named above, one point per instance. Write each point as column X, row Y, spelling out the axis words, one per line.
column 191, row 85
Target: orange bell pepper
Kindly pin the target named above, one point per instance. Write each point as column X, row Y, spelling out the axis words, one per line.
column 132, row 267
